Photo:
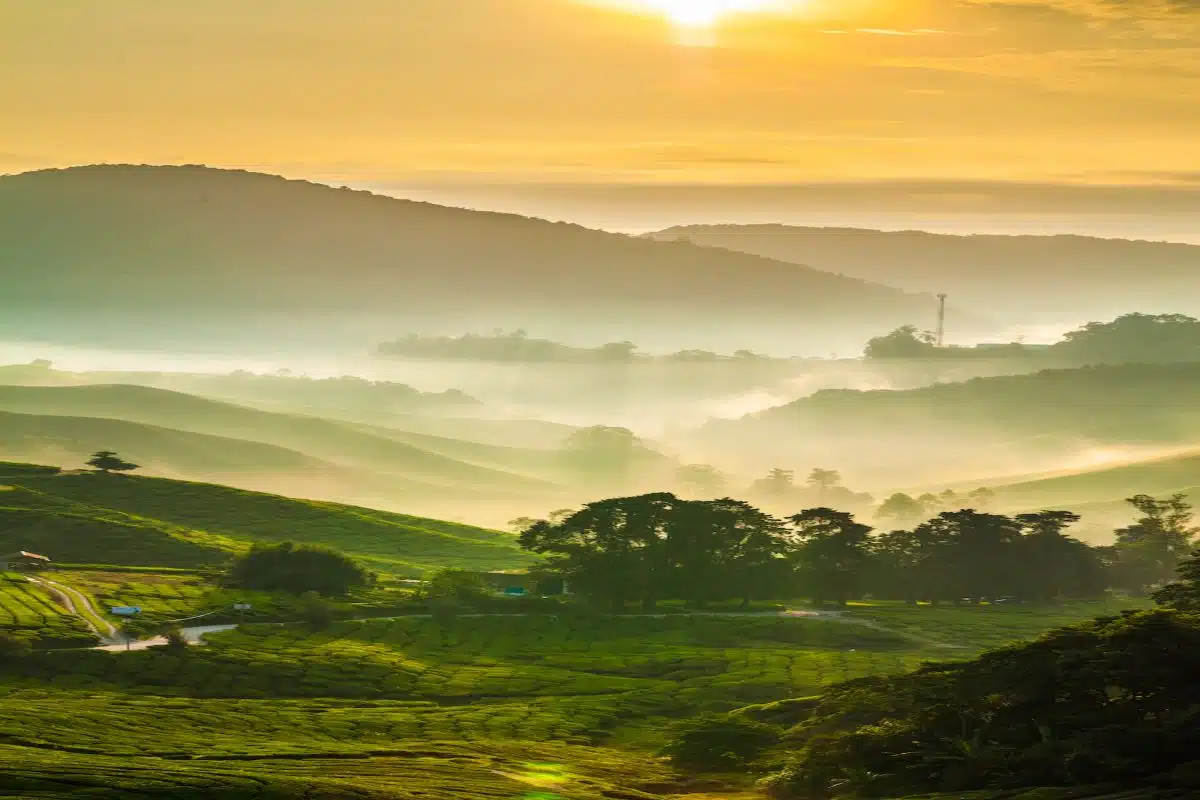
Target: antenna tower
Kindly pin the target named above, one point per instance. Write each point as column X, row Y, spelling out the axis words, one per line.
column 941, row 325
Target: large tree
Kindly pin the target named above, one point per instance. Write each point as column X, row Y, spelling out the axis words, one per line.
column 1058, row 566
column 297, row 569
column 1149, row 550
column 833, row 555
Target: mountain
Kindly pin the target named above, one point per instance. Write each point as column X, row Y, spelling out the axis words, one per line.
column 1067, row 276
column 131, row 520
column 1018, row 424
column 202, row 247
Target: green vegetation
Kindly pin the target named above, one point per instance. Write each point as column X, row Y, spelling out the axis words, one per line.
column 100, row 519
column 657, row 546
column 285, row 567
column 518, row 347
column 29, row 612
column 1011, row 719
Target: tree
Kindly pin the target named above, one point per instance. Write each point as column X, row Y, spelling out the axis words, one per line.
column 317, row 613
column 455, row 586
column 1149, row 550
column 779, row 484
column 612, row 550
column 901, row 508
column 604, row 454
column 1058, row 566
column 1134, row 338
column 833, row 555
column 904, row 342
column 703, row 480
column 822, row 481
column 970, row 554
column 1184, row 592
column 107, row 461
column 297, row 569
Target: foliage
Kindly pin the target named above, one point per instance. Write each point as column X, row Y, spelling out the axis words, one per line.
column 1184, row 592
column 1131, row 338
column 1008, row 719
column 297, row 569
column 656, row 546
column 718, row 743
column 1149, row 551
column 13, row 648
column 455, row 586
column 108, row 461
column 904, row 342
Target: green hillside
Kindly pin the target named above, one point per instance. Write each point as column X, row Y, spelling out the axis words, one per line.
column 99, row 519
column 1158, row 476
column 316, row 437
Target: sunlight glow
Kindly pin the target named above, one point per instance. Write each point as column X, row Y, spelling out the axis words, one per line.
column 699, row 13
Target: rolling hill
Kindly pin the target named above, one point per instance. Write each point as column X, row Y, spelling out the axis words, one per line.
column 1019, row 424
column 205, row 246
column 327, row 440
column 1061, row 275
column 128, row 520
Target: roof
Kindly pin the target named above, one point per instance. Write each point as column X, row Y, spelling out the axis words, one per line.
column 26, row 554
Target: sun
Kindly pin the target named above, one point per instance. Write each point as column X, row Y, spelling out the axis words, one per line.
column 699, row 13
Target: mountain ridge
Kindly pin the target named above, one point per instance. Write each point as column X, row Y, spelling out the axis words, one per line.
column 1010, row 272
column 201, row 240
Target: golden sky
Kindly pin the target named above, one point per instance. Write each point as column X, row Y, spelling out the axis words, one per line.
column 1104, row 91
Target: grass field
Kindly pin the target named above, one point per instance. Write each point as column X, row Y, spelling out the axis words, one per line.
column 502, row 708
column 128, row 520
column 181, row 595
column 971, row 629
column 31, row 613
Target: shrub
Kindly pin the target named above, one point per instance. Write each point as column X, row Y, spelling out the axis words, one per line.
column 718, row 743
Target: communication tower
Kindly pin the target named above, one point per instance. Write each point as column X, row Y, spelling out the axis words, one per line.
column 941, row 325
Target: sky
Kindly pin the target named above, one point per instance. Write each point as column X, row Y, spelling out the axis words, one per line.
column 529, row 99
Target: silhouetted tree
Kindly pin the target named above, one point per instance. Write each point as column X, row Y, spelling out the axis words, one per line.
column 1149, row 550
column 833, row 554
column 904, row 342
column 107, row 462
column 901, row 508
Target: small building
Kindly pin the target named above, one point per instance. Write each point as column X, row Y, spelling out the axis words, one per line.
column 24, row 560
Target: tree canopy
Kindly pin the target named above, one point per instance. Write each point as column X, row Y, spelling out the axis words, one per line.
column 107, row 461
column 658, row 546
column 297, row 569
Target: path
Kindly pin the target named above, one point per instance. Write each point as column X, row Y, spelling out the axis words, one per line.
column 193, row 635
column 77, row 603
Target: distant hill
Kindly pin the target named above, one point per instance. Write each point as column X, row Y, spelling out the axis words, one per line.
column 185, row 242
column 1018, row 424
column 330, row 441
column 1156, row 477
column 1064, row 275
column 122, row 519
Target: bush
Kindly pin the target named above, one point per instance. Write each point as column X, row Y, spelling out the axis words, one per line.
column 718, row 743
column 317, row 613
column 297, row 569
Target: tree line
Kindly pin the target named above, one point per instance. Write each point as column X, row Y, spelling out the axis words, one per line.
column 654, row 547
column 1130, row 338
